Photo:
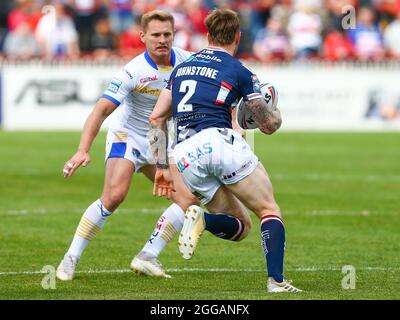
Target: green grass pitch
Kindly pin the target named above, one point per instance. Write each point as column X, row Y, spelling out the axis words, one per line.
column 339, row 194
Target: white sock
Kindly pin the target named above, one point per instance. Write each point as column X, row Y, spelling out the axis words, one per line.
column 169, row 224
column 91, row 223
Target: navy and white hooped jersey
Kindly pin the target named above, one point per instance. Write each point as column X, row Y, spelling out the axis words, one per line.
column 205, row 87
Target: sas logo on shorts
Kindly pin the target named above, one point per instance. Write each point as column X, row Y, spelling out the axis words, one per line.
column 182, row 164
column 114, row 86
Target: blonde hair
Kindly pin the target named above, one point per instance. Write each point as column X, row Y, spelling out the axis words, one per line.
column 222, row 25
column 156, row 15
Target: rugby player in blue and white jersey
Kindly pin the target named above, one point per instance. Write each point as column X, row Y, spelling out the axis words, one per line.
column 132, row 94
column 214, row 160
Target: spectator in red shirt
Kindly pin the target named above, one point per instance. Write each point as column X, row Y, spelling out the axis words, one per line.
column 25, row 11
column 130, row 44
column 21, row 44
column 337, row 46
column 196, row 13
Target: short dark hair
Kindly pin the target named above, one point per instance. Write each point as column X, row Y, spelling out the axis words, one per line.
column 222, row 25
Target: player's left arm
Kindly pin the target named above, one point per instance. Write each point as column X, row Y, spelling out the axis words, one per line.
column 158, row 134
column 158, row 137
column 268, row 120
column 235, row 125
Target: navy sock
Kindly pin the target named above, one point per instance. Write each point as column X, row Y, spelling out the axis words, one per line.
column 224, row 226
column 273, row 243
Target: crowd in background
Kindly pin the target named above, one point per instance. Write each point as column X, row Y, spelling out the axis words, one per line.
column 272, row 30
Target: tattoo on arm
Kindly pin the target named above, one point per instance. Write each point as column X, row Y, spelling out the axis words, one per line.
column 268, row 120
column 158, row 145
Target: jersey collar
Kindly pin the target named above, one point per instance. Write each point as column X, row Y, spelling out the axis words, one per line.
column 216, row 49
column 155, row 66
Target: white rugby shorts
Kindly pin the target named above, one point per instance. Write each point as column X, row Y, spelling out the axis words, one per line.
column 211, row 158
column 122, row 143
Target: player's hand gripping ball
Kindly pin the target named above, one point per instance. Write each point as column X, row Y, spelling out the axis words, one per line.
column 245, row 117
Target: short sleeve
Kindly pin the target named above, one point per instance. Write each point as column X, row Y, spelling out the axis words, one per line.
column 170, row 81
column 249, row 85
column 119, row 87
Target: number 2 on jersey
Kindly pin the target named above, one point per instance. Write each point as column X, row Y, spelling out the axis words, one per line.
column 188, row 87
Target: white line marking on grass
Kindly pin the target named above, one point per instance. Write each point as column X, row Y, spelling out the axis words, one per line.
column 39, row 211
column 335, row 177
column 159, row 211
column 188, row 270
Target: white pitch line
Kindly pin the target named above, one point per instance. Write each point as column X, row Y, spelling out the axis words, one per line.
column 159, row 211
column 184, row 270
column 335, row 177
column 40, row 211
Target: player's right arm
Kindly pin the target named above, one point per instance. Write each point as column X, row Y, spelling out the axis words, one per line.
column 268, row 120
column 101, row 111
column 119, row 87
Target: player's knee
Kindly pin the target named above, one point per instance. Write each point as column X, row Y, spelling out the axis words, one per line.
column 185, row 201
column 113, row 199
column 245, row 233
column 247, row 225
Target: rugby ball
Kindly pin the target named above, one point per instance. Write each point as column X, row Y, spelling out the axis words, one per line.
column 245, row 117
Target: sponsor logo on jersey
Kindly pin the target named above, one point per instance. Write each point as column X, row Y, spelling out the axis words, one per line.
column 256, row 83
column 208, row 57
column 148, row 90
column 148, row 79
column 207, row 51
column 193, row 58
column 128, row 74
column 182, row 164
column 114, row 86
